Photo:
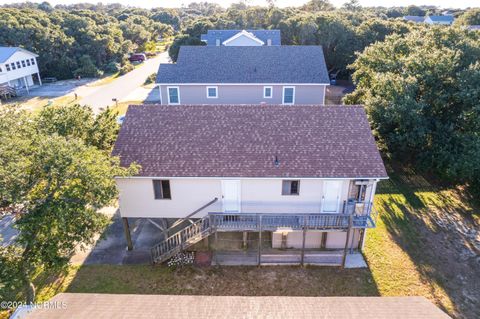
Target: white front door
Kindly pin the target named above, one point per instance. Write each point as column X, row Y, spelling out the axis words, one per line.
column 231, row 195
column 331, row 196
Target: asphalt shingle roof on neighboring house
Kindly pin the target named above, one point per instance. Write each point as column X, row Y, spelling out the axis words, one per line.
column 212, row 35
column 445, row 18
column 416, row 19
column 249, row 64
column 7, row 52
column 309, row 141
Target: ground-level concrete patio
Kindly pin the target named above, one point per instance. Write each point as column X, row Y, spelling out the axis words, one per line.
column 111, row 248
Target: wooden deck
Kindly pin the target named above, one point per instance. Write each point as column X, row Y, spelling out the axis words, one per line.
column 277, row 257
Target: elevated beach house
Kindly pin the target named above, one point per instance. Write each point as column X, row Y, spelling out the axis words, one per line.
column 18, row 68
column 254, row 184
column 287, row 75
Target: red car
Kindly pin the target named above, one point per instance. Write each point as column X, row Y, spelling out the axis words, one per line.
column 137, row 57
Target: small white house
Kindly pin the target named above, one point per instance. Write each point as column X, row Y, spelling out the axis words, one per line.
column 18, row 68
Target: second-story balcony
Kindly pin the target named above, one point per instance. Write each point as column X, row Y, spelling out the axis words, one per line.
column 271, row 217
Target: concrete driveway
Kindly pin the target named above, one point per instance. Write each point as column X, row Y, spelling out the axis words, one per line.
column 110, row 248
column 101, row 96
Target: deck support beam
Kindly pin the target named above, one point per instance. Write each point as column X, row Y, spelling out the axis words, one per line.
column 215, row 246
column 302, row 261
column 245, row 240
column 128, row 237
column 345, row 251
column 259, row 240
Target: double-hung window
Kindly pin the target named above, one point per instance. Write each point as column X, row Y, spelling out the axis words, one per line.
column 23, row 63
column 18, row 64
column 7, row 66
column 212, row 92
column 267, row 92
column 13, row 66
column 173, row 95
column 288, row 95
column 33, row 61
column 291, row 187
column 161, row 189
column 28, row 62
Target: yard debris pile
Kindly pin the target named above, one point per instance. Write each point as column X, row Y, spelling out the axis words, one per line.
column 181, row 259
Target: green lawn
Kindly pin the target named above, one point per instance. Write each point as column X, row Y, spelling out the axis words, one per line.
column 408, row 254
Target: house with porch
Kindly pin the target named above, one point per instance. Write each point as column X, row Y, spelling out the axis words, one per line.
column 18, row 68
column 242, row 37
column 289, row 75
column 252, row 184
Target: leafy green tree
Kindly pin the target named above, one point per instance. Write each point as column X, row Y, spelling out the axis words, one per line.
column 318, row 5
column 421, row 93
column 79, row 122
column 62, row 182
column 178, row 42
column 470, row 17
column 352, row 5
column 415, row 11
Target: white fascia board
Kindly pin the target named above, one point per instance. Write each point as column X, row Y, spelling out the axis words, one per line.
column 236, row 177
column 266, row 84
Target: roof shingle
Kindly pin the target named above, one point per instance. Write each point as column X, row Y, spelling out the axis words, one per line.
column 249, row 64
column 243, row 140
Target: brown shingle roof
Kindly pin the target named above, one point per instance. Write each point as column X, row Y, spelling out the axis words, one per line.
column 244, row 140
column 88, row 306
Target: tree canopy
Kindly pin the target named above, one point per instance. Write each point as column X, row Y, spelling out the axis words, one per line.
column 421, row 93
column 56, row 172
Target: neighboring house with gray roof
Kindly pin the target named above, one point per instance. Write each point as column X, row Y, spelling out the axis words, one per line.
column 473, row 27
column 444, row 20
column 242, row 37
column 416, row 19
column 302, row 178
column 18, row 68
column 245, row 75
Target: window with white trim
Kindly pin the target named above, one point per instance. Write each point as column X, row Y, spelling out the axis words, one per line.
column 267, row 92
column 23, row 63
column 33, row 61
column 288, row 95
column 28, row 62
column 173, row 95
column 291, row 187
column 7, row 66
column 161, row 189
column 212, row 92
column 18, row 64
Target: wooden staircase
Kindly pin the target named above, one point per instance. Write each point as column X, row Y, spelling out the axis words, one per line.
column 181, row 240
column 7, row 92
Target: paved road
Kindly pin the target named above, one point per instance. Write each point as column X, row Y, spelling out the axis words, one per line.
column 7, row 232
column 121, row 87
